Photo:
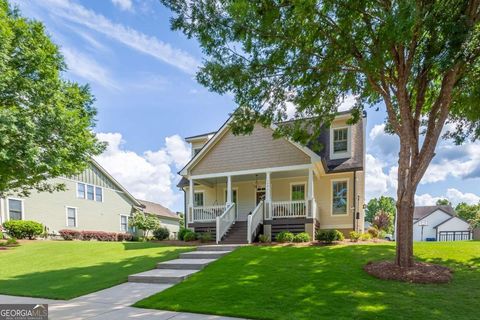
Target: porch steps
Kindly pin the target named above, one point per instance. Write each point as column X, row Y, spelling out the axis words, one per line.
column 175, row 271
column 237, row 234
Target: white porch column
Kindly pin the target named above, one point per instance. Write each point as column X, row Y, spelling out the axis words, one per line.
column 268, row 197
column 229, row 190
column 190, row 200
column 310, row 195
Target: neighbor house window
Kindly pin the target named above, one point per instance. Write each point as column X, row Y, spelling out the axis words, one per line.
column 339, row 197
column 298, row 192
column 90, row 193
column 98, row 194
column 81, row 190
column 340, row 140
column 123, row 223
column 15, row 209
column 198, row 199
column 71, row 217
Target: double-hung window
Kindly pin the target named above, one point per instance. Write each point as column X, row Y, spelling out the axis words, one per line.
column 71, row 217
column 98, row 194
column 198, row 199
column 298, row 192
column 123, row 223
column 339, row 197
column 340, row 140
column 81, row 190
column 90, row 192
column 15, row 209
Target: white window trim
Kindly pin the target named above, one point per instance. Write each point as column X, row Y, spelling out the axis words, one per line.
column 298, row 184
column 66, row 216
column 341, row 155
column 198, row 191
column 128, row 218
column 7, row 206
column 95, row 194
column 348, row 197
column 84, row 191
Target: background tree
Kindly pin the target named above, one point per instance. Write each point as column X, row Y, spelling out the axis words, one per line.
column 145, row 222
column 45, row 122
column 466, row 211
column 420, row 58
column 386, row 204
column 443, row 202
column 383, row 221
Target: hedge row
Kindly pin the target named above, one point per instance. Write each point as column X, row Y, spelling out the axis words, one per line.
column 86, row 235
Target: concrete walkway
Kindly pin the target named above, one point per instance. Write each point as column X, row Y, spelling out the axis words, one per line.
column 115, row 302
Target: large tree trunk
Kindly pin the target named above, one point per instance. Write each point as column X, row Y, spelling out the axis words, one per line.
column 404, row 232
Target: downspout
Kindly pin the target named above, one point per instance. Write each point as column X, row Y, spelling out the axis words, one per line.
column 184, row 208
column 355, row 213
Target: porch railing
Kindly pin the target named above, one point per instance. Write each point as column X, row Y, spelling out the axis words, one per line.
column 289, row 209
column 225, row 221
column 254, row 220
column 207, row 213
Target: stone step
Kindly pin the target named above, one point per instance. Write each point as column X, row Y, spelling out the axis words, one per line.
column 185, row 264
column 216, row 247
column 161, row 276
column 203, row 254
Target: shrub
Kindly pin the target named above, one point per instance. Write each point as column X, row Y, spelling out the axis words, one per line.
column 124, row 237
column 365, row 236
column 190, row 236
column 89, row 235
column 328, row 236
column 70, row 234
column 301, row 237
column 161, row 233
column 1, row 235
column 339, row 235
column 263, row 238
column 23, row 229
column 354, row 236
column 182, row 232
column 205, row 237
column 11, row 242
column 284, row 236
column 373, row 232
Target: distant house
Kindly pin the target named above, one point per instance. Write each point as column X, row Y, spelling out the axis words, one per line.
column 168, row 218
column 93, row 200
column 439, row 223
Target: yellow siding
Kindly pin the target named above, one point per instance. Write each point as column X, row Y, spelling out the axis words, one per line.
column 244, row 152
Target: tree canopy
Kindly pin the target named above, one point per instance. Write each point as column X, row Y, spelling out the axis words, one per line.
column 386, row 204
column 466, row 211
column 420, row 58
column 443, row 202
column 45, row 121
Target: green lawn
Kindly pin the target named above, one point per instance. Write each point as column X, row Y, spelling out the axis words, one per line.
column 67, row 269
column 326, row 283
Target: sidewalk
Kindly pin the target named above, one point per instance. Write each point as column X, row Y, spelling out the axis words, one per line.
column 111, row 304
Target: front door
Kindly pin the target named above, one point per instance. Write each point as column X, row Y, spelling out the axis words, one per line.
column 260, row 195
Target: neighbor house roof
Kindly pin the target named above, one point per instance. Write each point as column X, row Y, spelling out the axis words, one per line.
column 158, row 209
column 421, row 212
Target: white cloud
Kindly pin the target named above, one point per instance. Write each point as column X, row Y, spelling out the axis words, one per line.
column 151, row 175
column 347, row 103
column 75, row 13
column 125, row 5
column 87, row 68
column 376, row 180
column 453, row 195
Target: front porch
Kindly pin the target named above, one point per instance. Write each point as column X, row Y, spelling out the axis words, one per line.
column 263, row 201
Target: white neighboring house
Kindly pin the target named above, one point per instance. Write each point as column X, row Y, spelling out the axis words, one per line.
column 439, row 223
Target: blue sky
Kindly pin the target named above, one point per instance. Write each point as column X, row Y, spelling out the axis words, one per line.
column 142, row 75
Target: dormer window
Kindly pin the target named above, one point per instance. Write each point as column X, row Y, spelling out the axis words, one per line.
column 340, row 143
column 340, row 140
column 196, row 150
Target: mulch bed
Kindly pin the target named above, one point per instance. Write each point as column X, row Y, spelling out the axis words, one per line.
column 421, row 272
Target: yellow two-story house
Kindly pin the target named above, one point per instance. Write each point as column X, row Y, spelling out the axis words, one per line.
column 239, row 186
